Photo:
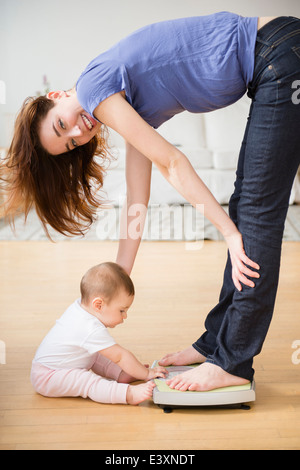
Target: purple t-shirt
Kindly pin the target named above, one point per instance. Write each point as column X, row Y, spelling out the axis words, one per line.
column 197, row 64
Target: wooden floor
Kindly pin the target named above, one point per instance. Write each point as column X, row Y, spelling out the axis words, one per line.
column 175, row 288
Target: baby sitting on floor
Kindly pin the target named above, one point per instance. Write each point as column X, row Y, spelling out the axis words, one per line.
column 79, row 357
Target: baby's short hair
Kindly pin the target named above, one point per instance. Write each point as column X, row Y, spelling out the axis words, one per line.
column 105, row 280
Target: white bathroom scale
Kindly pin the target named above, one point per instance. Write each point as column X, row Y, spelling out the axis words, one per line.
column 168, row 398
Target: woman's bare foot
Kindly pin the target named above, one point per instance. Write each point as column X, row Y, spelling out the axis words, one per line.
column 138, row 393
column 182, row 358
column 205, row 377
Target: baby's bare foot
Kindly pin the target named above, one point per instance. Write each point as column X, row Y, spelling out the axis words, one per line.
column 138, row 393
column 182, row 358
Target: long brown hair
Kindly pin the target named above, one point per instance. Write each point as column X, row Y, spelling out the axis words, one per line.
column 63, row 189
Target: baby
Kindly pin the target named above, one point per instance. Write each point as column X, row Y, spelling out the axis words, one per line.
column 79, row 357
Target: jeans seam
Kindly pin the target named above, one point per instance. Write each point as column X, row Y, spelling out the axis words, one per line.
column 295, row 50
column 273, row 117
column 276, row 30
column 278, row 42
column 287, row 36
column 265, row 34
column 199, row 350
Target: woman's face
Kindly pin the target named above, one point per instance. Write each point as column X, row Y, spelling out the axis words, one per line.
column 66, row 125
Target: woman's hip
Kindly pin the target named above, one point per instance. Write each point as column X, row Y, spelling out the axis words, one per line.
column 277, row 56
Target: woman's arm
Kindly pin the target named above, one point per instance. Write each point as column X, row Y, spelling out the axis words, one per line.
column 134, row 211
column 176, row 168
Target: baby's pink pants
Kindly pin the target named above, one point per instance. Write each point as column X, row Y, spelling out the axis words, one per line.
column 81, row 382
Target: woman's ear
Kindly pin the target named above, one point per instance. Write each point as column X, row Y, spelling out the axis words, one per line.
column 54, row 95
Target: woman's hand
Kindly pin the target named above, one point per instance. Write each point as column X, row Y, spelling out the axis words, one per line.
column 239, row 260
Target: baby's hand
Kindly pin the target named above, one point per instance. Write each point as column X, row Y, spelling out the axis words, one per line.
column 158, row 371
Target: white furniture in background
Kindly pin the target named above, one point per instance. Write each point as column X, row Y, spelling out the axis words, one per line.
column 211, row 141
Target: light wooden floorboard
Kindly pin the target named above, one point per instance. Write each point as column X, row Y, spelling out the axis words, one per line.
column 175, row 288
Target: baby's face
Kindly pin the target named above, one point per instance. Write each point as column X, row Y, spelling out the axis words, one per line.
column 115, row 312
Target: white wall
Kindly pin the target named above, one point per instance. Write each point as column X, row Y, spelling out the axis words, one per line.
column 59, row 37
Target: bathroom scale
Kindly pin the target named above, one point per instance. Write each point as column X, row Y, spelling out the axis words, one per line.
column 232, row 397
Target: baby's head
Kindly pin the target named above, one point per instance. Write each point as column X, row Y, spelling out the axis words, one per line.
column 107, row 292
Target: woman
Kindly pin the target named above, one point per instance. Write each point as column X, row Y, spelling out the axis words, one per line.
column 196, row 64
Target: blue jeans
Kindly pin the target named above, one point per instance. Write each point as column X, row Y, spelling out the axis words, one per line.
column 269, row 158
